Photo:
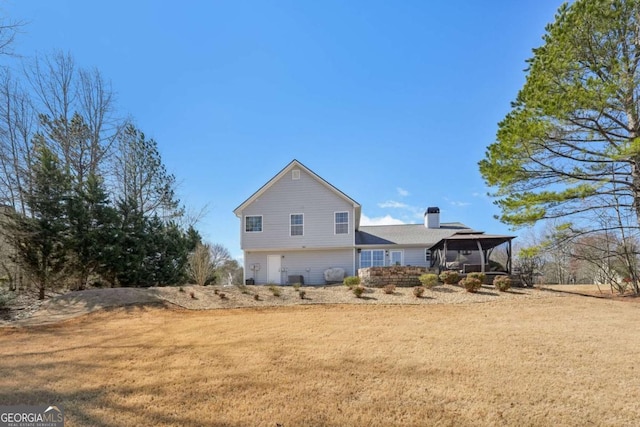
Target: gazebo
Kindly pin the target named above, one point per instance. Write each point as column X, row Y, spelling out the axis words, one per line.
column 467, row 253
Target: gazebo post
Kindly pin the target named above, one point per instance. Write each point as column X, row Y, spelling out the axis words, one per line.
column 482, row 258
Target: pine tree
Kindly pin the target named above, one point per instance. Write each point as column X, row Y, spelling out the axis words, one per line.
column 40, row 239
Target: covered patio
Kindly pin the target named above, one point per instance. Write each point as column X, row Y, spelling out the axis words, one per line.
column 467, row 253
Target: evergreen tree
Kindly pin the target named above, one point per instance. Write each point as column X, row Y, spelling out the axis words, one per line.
column 40, row 239
column 92, row 229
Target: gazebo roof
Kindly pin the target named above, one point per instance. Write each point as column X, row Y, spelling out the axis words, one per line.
column 461, row 242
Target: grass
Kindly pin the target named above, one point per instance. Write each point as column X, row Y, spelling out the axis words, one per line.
column 557, row 361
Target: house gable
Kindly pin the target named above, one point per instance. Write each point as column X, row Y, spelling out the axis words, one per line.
column 298, row 211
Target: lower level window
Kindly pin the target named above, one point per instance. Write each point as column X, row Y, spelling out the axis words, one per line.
column 372, row 258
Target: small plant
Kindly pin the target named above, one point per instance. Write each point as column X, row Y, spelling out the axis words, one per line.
column 301, row 293
column 480, row 276
column 243, row 289
column 418, row 291
column 222, row 295
column 180, row 289
column 389, row 289
column 471, row 284
column 351, row 281
column 502, row 283
column 296, row 286
column 5, row 298
column 256, row 297
column 449, row 277
column 275, row 290
column 428, row 280
column 358, row 290
column 192, row 294
column 215, row 291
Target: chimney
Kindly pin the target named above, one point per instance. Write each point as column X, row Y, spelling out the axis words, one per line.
column 432, row 217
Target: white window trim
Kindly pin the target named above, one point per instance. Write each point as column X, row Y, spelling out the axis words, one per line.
column 253, row 216
column 391, row 251
column 297, row 225
column 372, row 251
column 335, row 223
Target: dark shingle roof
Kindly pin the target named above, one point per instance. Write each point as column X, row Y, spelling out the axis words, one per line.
column 408, row 234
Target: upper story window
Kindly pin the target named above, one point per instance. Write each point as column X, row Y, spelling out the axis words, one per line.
column 297, row 224
column 253, row 224
column 342, row 222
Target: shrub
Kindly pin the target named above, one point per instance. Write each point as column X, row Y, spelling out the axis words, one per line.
column 275, row 290
column 296, row 286
column 180, row 289
column 301, row 293
column 243, row 289
column 428, row 280
column 256, row 297
column 5, row 298
column 449, row 277
column 389, row 289
column 471, row 284
column 478, row 275
column 358, row 290
column 418, row 291
column 351, row 281
column 193, row 295
column 222, row 295
column 502, row 283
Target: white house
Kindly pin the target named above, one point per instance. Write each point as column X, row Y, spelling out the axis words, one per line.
column 297, row 226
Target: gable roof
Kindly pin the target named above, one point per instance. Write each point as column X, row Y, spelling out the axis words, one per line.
column 296, row 164
column 408, row 234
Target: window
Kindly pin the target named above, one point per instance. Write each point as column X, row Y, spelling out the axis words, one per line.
column 253, row 224
column 342, row 222
column 395, row 257
column 427, row 255
column 295, row 174
column 297, row 224
column 373, row 258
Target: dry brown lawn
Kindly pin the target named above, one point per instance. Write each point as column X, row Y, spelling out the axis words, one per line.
column 562, row 360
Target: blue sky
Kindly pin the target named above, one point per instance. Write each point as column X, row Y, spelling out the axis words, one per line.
column 393, row 102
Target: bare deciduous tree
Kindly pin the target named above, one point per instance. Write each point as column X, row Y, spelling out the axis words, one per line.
column 199, row 267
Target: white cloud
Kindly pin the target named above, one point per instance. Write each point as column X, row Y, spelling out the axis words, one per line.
column 402, row 192
column 457, row 203
column 393, row 204
column 381, row 220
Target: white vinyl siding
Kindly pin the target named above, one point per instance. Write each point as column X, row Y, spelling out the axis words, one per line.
column 309, row 264
column 297, row 224
column 253, row 224
column 306, row 196
column 372, row 258
column 342, row 222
